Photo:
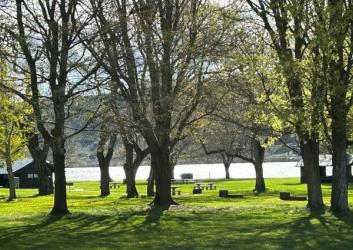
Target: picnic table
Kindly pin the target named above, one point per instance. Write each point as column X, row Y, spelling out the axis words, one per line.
column 173, row 189
column 183, row 181
column 69, row 184
column 114, row 184
column 202, row 186
column 212, row 186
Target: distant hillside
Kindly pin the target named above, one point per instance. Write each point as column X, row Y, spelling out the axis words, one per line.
column 81, row 152
column 81, row 149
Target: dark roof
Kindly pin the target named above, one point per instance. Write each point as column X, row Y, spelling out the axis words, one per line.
column 17, row 165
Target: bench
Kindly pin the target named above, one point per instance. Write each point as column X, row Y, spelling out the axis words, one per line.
column 114, row 184
column 286, row 196
column 225, row 194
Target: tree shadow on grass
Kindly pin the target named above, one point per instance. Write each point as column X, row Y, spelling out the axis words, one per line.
column 153, row 215
column 346, row 218
column 85, row 197
column 321, row 230
column 292, row 184
column 151, row 228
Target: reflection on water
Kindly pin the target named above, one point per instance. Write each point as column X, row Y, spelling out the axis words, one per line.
column 200, row 171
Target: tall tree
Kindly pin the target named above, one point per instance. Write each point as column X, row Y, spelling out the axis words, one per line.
column 131, row 138
column 13, row 128
column 156, row 66
column 287, row 25
column 105, row 150
column 134, row 156
column 234, row 141
column 333, row 33
column 47, row 35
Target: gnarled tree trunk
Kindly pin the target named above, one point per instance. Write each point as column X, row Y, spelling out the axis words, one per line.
column 105, row 178
column 132, row 162
column 130, row 171
column 39, row 156
column 227, row 161
column 105, row 158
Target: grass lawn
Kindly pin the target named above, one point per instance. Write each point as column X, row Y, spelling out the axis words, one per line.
column 200, row 221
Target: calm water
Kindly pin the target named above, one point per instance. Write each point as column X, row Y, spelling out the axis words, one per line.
column 200, row 171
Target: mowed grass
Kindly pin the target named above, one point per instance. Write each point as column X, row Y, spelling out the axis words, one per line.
column 200, row 221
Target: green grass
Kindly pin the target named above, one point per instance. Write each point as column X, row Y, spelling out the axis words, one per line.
column 200, row 221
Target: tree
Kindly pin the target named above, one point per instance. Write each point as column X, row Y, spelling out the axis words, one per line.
column 333, row 41
column 157, row 65
column 13, row 128
column 107, row 140
column 288, row 25
column 134, row 156
column 47, row 34
column 131, row 138
column 235, row 141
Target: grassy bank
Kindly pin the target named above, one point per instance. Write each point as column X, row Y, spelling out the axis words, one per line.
column 201, row 221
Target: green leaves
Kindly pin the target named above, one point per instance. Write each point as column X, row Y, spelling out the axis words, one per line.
column 14, row 123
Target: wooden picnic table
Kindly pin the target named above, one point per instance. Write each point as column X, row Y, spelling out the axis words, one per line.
column 206, row 185
column 114, row 184
column 69, row 184
column 173, row 189
column 183, row 181
column 212, row 186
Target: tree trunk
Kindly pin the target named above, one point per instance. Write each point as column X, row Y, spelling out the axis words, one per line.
column 8, row 161
column 339, row 80
column 104, row 159
column 130, row 171
column 227, row 161
column 12, row 188
column 339, row 194
column 58, row 148
column 259, row 156
column 161, row 167
column 39, row 159
column 310, row 153
column 172, row 171
column 227, row 171
column 150, row 181
column 105, row 178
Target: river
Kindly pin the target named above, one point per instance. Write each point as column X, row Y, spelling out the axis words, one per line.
column 199, row 171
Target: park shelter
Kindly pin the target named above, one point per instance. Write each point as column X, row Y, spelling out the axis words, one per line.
column 325, row 163
column 26, row 173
